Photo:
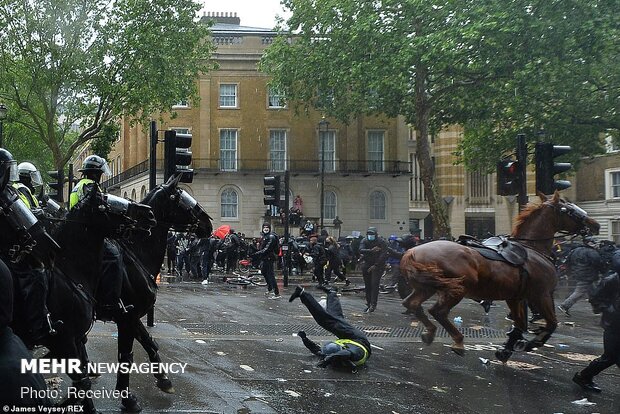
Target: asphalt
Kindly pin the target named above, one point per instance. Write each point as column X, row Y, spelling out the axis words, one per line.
column 243, row 356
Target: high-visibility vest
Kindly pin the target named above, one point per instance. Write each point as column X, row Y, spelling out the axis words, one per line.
column 78, row 191
column 26, row 195
column 344, row 342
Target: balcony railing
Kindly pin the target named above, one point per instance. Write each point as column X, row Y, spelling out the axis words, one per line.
column 295, row 166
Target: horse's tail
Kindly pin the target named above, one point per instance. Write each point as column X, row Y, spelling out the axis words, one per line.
column 430, row 275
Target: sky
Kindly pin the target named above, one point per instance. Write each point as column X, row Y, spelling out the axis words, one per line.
column 253, row 13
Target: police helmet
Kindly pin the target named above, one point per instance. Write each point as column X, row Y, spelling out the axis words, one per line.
column 28, row 171
column 330, row 348
column 95, row 163
column 8, row 168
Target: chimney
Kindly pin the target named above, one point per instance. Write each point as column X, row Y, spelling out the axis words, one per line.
column 222, row 17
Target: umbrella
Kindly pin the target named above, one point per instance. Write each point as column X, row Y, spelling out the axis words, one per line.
column 222, row 231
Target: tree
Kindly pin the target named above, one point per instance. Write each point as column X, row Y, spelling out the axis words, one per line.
column 413, row 58
column 73, row 64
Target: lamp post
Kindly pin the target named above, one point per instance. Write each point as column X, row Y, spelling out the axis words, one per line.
column 3, row 113
column 323, row 129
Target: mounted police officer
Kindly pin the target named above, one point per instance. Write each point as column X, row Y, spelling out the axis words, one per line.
column 29, row 180
column 25, row 247
column 110, row 304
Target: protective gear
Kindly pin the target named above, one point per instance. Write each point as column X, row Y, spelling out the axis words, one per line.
column 28, row 174
column 371, row 237
column 331, row 348
column 26, row 195
column 266, row 228
column 78, row 191
column 95, row 163
column 8, row 168
column 393, row 237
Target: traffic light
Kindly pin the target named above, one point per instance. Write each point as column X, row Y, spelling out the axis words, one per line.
column 57, row 185
column 508, row 177
column 177, row 156
column 546, row 168
column 271, row 190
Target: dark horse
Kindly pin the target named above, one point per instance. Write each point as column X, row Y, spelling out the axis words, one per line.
column 454, row 271
column 143, row 256
column 75, row 276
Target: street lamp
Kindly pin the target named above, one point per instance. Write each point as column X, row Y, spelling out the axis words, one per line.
column 323, row 130
column 3, row 113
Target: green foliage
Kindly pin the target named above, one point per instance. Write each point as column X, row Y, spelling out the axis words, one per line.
column 102, row 144
column 70, row 64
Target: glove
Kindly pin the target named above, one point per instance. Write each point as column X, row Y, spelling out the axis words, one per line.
column 301, row 334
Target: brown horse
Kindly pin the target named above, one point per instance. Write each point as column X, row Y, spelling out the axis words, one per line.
column 454, row 271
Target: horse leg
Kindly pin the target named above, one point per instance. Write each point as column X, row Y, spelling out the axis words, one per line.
column 546, row 308
column 515, row 335
column 413, row 302
column 151, row 348
column 80, row 380
column 440, row 312
column 125, row 356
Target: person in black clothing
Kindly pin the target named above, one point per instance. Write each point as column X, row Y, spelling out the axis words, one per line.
column 171, row 252
column 605, row 299
column 268, row 253
column 12, row 351
column 319, row 259
column 209, row 248
column 584, row 264
column 352, row 347
column 334, row 263
column 231, row 246
column 374, row 250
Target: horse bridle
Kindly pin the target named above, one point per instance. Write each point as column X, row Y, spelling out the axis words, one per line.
column 187, row 203
column 571, row 210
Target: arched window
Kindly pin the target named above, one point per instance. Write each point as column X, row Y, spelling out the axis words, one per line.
column 142, row 193
column 133, row 194
column 329, row 205
column 125, row 194
column 229, row 203
column 377, row 205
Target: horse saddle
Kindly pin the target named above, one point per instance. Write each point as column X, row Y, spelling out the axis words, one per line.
column 498, row 248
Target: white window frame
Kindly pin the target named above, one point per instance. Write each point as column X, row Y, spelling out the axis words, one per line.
column 182, row 104
column 228, row 163
column 330, row 205
column 229, row 207
column 609, row 184
column 275, row 98
column 278, row 156
column 614, row 231
column 330, row 150
column 375, row 157
column 373, row 206
column 228, row 95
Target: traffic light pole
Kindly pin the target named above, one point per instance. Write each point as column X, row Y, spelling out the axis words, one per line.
column 286, row 245
column 522, row 158
column 150, row 314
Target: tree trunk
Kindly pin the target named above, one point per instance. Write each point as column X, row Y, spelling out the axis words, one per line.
column 436, row 204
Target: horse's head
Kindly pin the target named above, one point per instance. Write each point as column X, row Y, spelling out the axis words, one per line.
column 175, row 208
column 569, row 217
column 140, row 213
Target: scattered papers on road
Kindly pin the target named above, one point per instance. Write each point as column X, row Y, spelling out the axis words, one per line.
column 221, row 353
column 246, row 367
column 484, row 360
column 583, row 401
column 292, row 393
column 200, row 341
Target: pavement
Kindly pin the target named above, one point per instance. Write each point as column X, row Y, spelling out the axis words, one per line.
column 243, row 356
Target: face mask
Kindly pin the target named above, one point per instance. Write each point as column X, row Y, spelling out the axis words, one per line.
column 371, row 237
column 265, row 230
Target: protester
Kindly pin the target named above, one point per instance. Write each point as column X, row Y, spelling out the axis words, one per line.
column 268, row 254
column 374, row 251
column 334, row 264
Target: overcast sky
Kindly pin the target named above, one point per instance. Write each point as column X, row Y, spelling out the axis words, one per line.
column 254, row 13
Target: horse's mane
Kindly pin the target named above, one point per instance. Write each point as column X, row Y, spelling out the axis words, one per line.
column 525, row 215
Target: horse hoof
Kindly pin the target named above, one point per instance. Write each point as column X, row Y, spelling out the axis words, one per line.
column 131, row 404
column 428, row 337
column 165, row 385
column 520, row 345
column 458, row 349
column 503, row 355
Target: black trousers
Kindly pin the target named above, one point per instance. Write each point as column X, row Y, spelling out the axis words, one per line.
column 611, row 355
column 336, row 269
column 112, row 270
column 372, row 280
column 318, row 272
column 332, row 319
column 268, row 273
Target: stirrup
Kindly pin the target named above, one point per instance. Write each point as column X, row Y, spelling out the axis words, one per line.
column 124, row 308
column 53, row 325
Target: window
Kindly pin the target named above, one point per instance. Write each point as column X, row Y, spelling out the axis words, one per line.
column 119, row 167
column 612, row 184
column 277, row 149
column 228, row 150
column 181, row 130
column 615, row 231
column 478, row 187
column 276, row 98
column 229, row 203
column 377, row 205
column 327, row 149
column 329, row 205
column 375, row 150
column 143, row 193
column 416, row 187
column 228, row 95
column 184, row 103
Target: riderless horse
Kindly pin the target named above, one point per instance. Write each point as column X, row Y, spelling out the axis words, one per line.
column 524, row 272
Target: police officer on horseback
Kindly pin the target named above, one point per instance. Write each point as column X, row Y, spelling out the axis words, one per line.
column 110, row 304
column 25, row 247
column 29, row 180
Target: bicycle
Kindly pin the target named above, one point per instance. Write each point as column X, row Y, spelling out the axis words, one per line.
column 242, row 280
column 383, row 288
